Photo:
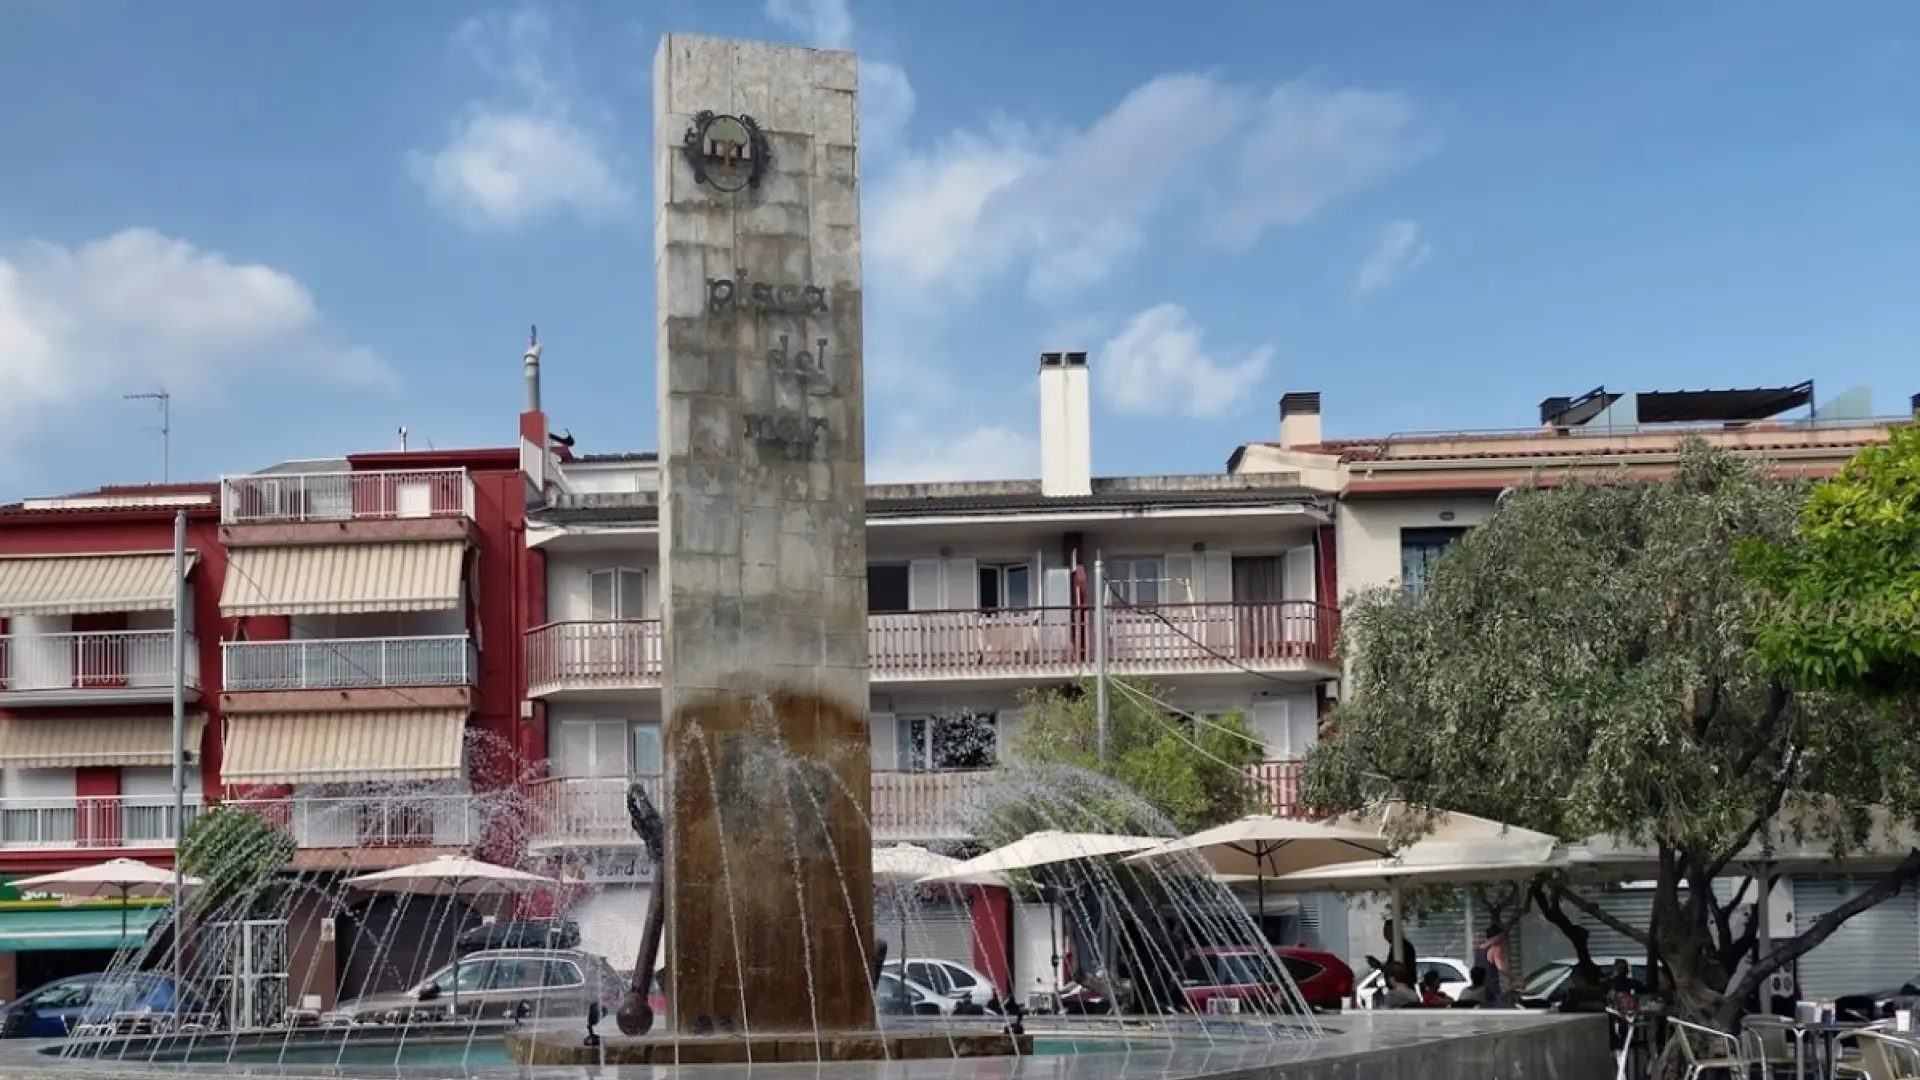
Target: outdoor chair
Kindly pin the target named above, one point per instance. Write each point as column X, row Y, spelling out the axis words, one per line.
column 1770, row 1047
column 1717, row 1052
column 1884, row 1057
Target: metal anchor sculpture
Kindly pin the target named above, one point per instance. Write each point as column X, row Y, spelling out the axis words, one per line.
column 636, row 1013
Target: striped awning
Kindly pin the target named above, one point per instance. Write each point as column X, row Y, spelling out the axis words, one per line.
column 86, row 741
column 86, row 584
column 343, row 579
column 344, row 747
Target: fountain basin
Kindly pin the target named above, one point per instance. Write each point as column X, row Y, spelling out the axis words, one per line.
column 568, row 1048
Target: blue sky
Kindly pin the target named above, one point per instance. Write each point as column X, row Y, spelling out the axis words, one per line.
column 316, row 223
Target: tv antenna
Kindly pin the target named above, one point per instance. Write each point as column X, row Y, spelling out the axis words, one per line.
column 165, row 401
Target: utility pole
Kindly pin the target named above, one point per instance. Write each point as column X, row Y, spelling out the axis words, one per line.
column 166, row 428
column 179, row 750
column 1100, row 651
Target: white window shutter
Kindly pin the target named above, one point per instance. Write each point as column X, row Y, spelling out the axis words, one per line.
column 1298, row 583
column 925, row 585
column 1217, row 577
column 650, row 609
column 1056, row 588
column 633, row 594
column 601, row 595
column 1181, row 587
column 963, row 585
column 883, row 737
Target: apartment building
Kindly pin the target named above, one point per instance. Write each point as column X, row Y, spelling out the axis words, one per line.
column 87, row 601
column 977, row 592
column 1406, row 497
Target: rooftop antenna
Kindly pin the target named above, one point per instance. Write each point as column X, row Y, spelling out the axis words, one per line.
column 165, row 401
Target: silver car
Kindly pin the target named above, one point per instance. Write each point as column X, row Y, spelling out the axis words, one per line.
column 496, row 984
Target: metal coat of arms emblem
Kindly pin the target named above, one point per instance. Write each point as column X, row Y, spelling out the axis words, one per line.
column 728, row 152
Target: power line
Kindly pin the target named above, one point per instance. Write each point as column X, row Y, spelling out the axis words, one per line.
column 165, row 401
column 1210, row 650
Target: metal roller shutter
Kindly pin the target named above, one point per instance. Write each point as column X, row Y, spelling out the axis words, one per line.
column 1310, row 920
column 934, row 930
column 612, row 921
column 1875, row 950
column 1441, row 935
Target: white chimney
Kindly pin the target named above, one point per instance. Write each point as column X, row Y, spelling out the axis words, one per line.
column 1299, row 419
column 1066, row 438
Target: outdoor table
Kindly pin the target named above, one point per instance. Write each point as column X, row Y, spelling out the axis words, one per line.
column 1642, row 1034
column 1824, row 1034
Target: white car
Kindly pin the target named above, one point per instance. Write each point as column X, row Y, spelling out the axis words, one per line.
column 904, row 995
column 1453, row 979
column 950, row 979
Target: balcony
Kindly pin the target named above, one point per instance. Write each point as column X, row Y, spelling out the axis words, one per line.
column 1282, row 639
column 386, row 820
column 1276, row 786
column 331, row 507
column 124, row 667
column 349, row 663
column 580, row 811
column 593, row 656
column 93, row 823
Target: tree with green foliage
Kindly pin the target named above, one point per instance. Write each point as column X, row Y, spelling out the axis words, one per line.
column 1584, row 664
column 1845, row 587
column 238, row 855
column 1161, row 767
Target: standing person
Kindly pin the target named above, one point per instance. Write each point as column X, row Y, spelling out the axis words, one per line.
column 1492, row 955
column 1404, row 956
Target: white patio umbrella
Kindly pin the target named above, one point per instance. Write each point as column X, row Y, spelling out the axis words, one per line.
column 452, row 876
column 1264, row 847
column 902, row 866
column 1049, row 847
column 123, row 878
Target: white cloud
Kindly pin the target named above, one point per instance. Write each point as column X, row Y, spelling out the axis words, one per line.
column 1069, row 206
column 1399, row 252
column 139, row 310
column 1158, row 364
column 826, row 23
column 531, row 149
column 988, row 453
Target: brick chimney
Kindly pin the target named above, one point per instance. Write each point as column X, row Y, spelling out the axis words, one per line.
column 1299, row 419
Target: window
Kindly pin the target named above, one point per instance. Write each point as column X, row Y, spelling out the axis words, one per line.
column 516, row 975
column 1135, row 581
column 563, row 973
column 1419, row 550
column 963, row 740
column 1006, row 586
column 888, row 591
column 593, row 748
column 929, row 976
column 647, row 756
column 618, row 593
column 1301, row 971
column 472, row 976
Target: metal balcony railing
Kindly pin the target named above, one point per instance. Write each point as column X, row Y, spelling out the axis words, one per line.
column 1008, row 643
column 387, row 819
column 291, row 498
column 93, row 822
column 92, row 660
column 350, row 663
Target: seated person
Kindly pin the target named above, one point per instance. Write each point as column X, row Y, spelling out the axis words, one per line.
column 1400, row 992
column 1621, row 981
column 1476, row 991
column 1430, row 993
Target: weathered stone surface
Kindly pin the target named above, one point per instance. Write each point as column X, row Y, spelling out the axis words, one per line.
column 763, row 525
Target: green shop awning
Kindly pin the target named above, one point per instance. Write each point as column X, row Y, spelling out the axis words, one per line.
column 76, row 928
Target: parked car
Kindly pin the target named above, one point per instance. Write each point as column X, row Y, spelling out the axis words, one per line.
column 495, row 984
column 1548, row 984
column 951, row 979
column 60, row 1006
column 904, row 997
column 526, row 934
column 1453, row 979
column 1243, row 973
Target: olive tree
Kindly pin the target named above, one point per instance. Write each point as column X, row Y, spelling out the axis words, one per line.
column 1584, row 664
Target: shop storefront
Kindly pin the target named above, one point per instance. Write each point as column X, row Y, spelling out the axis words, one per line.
column 44, row 938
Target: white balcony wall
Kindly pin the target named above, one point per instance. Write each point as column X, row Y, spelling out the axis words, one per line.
column 38, row 808
column 146, row 804
column 1289, row 724
column 38, row 657
column 1369, row 534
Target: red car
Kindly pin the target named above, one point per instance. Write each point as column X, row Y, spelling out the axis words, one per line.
column 1241, row 972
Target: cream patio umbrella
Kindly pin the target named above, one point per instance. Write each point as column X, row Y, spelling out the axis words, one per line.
column 452, row 876
column 1049, row 847
column 122, row 878
column 1264, row 846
